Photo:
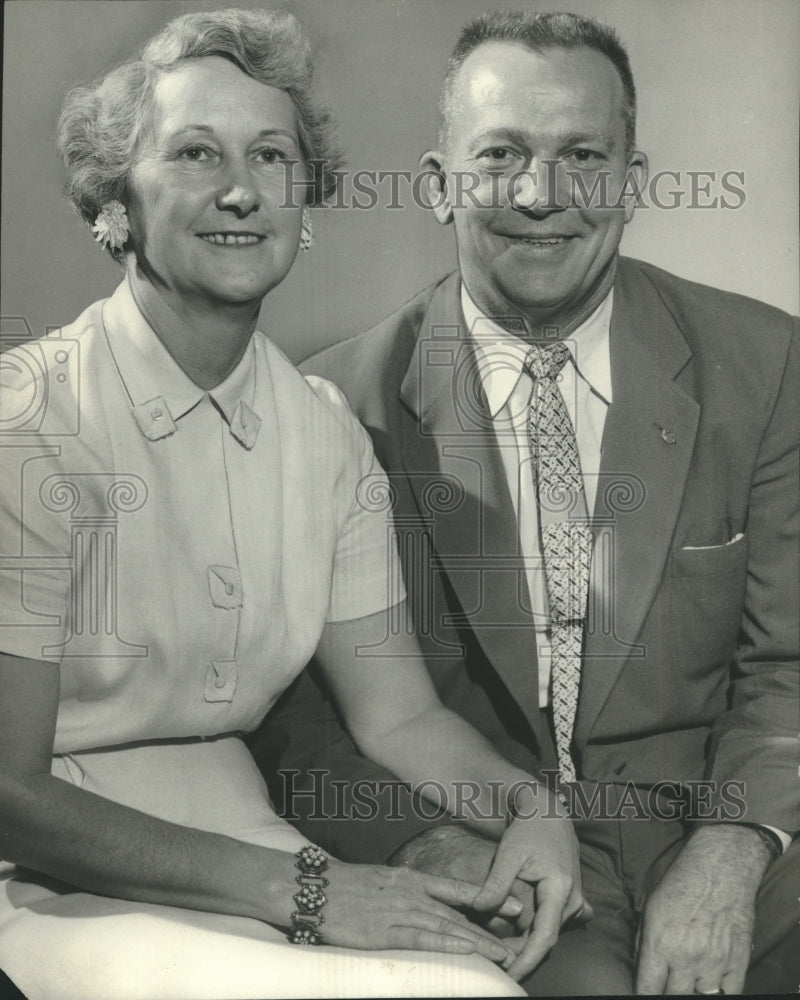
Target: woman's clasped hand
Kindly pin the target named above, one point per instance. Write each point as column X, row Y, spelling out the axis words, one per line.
column 370, row 906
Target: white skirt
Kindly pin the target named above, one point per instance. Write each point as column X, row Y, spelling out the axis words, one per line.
column 60, row 944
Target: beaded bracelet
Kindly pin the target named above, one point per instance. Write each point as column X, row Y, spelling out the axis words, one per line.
column 307, row 919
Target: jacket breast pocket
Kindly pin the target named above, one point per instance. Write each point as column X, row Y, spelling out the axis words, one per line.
column 707, row 589
column 710, row 560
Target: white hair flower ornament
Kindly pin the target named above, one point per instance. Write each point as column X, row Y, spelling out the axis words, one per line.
column 111, row 226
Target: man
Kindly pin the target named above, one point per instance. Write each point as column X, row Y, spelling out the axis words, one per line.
column 679, row 761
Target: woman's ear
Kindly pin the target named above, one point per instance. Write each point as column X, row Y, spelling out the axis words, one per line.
column 433, row 186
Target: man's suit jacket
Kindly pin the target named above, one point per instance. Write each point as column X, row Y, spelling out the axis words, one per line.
column 690, row 669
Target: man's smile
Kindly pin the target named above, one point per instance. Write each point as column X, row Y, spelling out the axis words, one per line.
column 542, row 244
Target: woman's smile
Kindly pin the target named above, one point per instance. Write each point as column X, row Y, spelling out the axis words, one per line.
column 236, row 239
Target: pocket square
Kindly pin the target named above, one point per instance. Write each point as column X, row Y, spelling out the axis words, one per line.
column 701, row 548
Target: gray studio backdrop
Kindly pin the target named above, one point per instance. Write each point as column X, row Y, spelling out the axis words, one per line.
column 717, row 81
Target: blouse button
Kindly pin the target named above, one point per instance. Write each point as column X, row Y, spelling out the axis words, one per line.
column 221, row 681
column 157, row 413
column 225, row 586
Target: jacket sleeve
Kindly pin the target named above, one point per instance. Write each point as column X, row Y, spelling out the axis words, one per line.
column 756, row 742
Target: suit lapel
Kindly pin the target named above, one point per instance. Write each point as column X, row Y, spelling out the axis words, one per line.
column 647, row 447
column 451, row 443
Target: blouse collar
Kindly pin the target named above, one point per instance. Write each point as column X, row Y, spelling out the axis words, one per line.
column 160, row 392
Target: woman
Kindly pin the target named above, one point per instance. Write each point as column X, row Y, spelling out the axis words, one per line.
column 186, row 512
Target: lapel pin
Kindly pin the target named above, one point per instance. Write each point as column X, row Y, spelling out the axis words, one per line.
column 667, row 435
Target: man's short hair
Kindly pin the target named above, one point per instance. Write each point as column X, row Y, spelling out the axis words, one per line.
column 540, row 32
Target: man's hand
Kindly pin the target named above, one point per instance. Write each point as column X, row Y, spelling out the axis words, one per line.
column 698, row 923
column 456, row 852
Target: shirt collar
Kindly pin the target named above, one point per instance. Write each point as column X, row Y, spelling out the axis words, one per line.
column 501, row 355
column 235, row 397
column 161, row 393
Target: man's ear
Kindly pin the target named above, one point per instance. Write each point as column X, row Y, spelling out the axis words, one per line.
column 433, row 186
column 635, row 182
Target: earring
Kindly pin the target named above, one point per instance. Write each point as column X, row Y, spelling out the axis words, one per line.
column 307, row 232
column 111, row 227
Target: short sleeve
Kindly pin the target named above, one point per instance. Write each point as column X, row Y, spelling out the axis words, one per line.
column 367, row 577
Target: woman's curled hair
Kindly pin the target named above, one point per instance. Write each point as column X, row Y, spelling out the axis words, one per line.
column 101, row 125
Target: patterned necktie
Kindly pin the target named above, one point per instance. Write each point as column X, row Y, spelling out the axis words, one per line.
column 565, row 537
